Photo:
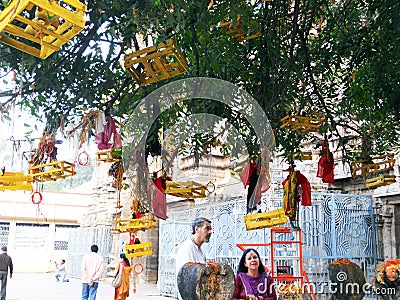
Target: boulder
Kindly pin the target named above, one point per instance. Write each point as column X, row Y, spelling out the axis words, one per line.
column 347, row 280
column 211, row 281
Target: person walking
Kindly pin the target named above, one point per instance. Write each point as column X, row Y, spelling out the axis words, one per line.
column 124, row 266
column 92, row 270
column 5, row 265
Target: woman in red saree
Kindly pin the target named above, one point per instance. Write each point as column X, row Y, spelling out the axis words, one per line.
column 122, row 292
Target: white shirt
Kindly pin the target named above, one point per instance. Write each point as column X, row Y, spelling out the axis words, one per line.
column 188, row 251
column 61, row 269
column 92, row 267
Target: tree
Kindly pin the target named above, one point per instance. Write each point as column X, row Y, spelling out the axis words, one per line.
column 331, row 58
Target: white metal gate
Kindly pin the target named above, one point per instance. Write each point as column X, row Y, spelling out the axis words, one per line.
column 79, row 243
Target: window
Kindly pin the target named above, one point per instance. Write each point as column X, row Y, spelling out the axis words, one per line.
column 4, row 232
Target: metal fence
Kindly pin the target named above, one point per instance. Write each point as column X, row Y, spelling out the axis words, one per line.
column 80, row 240
column 339, row 226
column 335, row 226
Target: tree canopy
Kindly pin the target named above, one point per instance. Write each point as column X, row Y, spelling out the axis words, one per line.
column 336, row 59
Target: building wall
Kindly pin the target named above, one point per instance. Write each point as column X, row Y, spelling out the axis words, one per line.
column 388, row 208
column 37, row 234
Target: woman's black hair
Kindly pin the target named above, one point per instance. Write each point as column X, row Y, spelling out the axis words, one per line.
column 242, row 268
column 123, row 256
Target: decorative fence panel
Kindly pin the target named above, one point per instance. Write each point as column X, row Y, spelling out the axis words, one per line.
column 339, row 226
column 336, row 226
column 80, row 240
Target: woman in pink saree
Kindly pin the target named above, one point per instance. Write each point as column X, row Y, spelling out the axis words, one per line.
column 252, row 282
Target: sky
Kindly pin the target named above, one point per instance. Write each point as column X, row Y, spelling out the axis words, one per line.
column 14, row 142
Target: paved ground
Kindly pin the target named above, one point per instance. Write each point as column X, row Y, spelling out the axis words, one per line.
column 43, row 286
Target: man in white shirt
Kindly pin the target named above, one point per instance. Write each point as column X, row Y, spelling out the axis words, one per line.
column 190, row 250
column 92, row 270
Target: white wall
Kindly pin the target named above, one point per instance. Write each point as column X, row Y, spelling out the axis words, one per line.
column 32, row 227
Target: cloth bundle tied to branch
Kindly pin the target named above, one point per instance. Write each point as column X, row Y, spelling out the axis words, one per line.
column 326, row 164
column 103, row 138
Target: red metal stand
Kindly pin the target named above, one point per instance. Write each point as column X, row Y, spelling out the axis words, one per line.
column 286, row 255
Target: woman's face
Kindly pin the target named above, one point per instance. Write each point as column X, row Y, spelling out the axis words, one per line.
column 251, row 261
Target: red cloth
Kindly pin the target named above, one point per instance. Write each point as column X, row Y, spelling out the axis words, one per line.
column 103, row 138
column 159, row 203
column 257, row 184
column 305, row 197
column 291, row 200
column 248, row 171
column 326, row 165
column 245, row 177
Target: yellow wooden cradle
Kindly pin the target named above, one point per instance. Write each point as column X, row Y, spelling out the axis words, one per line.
column 133, row 225
column 52, row 171
column 153, row 64
column 16, row 181
column 305, row 155
column 379, row 164
column 382, row 180
column 265, row 219
column 240, row 31
column 107, row 156
column 301, row 123
column 14, row 177
column 187, row 189
column 41, row 36
column 142, row 249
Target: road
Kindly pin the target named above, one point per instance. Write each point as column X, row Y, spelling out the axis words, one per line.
column 43, row 286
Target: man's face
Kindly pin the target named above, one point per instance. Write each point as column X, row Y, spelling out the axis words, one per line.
column 204, row 232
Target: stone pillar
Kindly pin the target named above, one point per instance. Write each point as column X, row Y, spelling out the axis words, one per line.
column 379, row 223
column 150, row 263
column 388, row 232
column 396, row 231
